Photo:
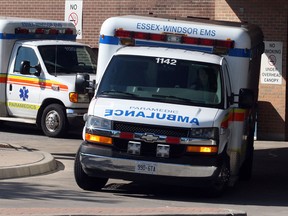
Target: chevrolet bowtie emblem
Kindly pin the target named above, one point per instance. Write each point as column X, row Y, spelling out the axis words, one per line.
column 150, row 137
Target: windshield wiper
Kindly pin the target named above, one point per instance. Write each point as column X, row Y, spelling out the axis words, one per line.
column 111, row 92
column 171, row 97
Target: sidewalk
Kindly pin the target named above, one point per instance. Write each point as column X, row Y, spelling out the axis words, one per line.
column 16, row 161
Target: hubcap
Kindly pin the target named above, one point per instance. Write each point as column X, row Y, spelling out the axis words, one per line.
column 52, row 121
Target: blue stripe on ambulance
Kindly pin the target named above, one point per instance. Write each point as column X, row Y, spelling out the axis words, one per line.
column 109, row 40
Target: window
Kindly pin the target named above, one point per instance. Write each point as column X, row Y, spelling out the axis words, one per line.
column 25, row 54
column 227, row 82
column 163, row 79
column 67, row 59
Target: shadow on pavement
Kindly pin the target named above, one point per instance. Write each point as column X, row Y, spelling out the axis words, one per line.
column 268, row 186
column 30, row 129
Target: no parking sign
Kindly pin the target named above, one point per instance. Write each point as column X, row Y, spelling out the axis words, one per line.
column 271, row 63
column 73, row 13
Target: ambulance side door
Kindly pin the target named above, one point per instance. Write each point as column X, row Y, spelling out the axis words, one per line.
column 23, row 90
column 228, row 100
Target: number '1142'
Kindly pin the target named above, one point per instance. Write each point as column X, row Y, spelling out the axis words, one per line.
column 166, row 61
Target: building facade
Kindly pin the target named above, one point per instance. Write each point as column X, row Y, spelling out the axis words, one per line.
column 272, row 17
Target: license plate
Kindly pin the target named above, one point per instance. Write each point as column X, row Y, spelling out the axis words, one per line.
column 145, row 167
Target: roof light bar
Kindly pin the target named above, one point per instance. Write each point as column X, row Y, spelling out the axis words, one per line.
column 40, row 31
column 21, row 31
column 68, row 31
column 158, row 37
column 141, row 35
column 173, row 38
column 50, row 31
column 53, row 31
column 123, row 34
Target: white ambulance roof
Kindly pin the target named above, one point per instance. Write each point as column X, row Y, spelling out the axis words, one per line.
column 50, row 42
column 171, row 53
column 8, row 24
column 245, row 35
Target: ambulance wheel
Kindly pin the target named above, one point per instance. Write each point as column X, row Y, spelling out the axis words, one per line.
column 221, row 182
column 54, row 121
column 84, row 181
column 245, row 173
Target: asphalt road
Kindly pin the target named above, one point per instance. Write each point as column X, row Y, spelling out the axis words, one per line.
column 266, row 194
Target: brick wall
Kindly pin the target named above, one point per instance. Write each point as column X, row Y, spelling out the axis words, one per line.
column 272, row 18
column 52, row 9
column 272, row 115
column 96, row 11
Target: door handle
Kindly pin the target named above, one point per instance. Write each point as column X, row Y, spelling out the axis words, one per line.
column 10, row 87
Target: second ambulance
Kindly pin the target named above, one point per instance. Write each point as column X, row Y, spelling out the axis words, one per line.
column 41, row 65
column 175, row 103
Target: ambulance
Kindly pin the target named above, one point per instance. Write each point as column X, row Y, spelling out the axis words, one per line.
column 175, row 103
column 41, row 62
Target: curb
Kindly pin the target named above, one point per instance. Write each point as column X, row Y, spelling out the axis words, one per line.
column 45, row 163
column 159, row 211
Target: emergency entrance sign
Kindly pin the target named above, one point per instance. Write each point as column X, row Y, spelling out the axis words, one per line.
column 73, row 13
column 271, row 63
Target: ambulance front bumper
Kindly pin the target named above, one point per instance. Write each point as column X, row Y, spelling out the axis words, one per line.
column 72, row 113
column 101, row 161
column 111, row 164
column 75, row 117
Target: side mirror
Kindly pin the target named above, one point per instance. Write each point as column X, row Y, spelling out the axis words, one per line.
column 246, row 98
column 25, row 67
column 38, row 70
column 82, row 83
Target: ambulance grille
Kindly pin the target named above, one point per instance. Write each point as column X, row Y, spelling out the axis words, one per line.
column 158, row 130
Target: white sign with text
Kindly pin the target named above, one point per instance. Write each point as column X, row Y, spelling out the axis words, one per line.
column 73, row 13
column 271, row 63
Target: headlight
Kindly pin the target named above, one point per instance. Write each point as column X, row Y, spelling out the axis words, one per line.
column 205, row 133
column 94, row 122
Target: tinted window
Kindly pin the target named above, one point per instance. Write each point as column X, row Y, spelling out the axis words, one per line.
column 66, row 59
column 164, row 79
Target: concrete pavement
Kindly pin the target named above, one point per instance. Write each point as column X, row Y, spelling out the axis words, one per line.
column 18, row 161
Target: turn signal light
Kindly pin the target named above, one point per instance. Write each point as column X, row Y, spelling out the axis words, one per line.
column 98, row 139
column 73, row 97
column 202, row 149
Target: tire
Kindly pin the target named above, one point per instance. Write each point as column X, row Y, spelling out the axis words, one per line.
column 222, row 180
column 245, row 173
column 84, row 181
column 54, row 121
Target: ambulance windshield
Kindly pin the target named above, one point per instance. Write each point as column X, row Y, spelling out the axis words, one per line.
column 68, row 59
column 162, row 79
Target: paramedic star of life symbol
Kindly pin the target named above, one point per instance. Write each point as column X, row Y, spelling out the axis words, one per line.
column 24, row 93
